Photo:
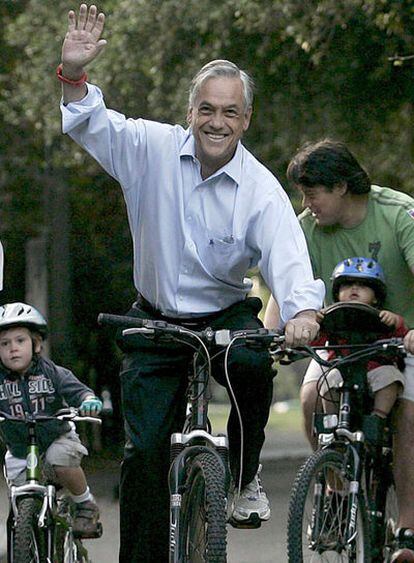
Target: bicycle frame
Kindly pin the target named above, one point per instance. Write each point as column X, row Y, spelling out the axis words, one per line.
column 196, row 437
column 348, row 435
column 48, row 517
column 352, row 395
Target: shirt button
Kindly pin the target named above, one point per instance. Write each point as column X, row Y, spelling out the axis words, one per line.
column 189, row 218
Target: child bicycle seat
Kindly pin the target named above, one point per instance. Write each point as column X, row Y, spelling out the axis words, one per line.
column 353, row 321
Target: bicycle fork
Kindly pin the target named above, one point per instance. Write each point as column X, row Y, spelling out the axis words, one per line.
column 354, row 487
column 32, row 488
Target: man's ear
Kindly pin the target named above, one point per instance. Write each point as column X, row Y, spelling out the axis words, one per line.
column 247, row 118
column 341, row 188
column 189, row 116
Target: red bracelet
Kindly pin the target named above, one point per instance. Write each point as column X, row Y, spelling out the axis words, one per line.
column 62, row 78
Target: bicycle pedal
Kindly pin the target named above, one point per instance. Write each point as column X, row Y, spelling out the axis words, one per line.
column 91, row 535
column 251, row 523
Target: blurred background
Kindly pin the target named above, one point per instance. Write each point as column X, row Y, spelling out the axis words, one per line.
column 338, row 68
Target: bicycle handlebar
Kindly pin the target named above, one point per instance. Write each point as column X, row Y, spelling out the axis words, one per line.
column 69, row 414
column 221, row 337
column 385, row 346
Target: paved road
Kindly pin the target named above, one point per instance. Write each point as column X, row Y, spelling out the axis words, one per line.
column 282, row 456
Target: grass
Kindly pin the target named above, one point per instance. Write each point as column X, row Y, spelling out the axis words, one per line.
column 290, row 420
column 282, row 422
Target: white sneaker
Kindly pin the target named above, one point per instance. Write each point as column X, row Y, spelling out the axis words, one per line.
column 252, row 506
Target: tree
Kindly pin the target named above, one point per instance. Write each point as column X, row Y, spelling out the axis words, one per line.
column 322, row 68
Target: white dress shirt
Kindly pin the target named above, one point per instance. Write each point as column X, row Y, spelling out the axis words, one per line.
column 194, row 240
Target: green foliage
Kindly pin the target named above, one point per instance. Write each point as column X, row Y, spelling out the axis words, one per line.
column 322, row 68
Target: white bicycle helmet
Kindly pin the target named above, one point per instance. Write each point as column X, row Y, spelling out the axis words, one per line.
column 21, row 314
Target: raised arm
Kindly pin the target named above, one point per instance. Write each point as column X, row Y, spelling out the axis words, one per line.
column 82, row 44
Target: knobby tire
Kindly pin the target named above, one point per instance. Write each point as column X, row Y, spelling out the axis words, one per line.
column 203, row 513
column 29, row 542
column 316, row 523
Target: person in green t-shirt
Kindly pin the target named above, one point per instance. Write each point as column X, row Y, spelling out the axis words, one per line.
column 346, row 216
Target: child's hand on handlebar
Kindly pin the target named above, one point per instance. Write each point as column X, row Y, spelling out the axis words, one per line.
column 302, row 329
column 320, row 315
column 91, row 406
column 409, row 341
column 388, row 318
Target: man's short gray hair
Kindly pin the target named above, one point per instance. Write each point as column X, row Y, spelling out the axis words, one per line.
column 218, row 68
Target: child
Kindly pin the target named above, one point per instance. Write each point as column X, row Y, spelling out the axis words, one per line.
column 30, row 383
column 362, row 280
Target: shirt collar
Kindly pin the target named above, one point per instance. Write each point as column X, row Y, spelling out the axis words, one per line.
column 232, row 168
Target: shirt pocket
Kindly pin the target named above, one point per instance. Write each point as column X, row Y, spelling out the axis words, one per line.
column 224, row 258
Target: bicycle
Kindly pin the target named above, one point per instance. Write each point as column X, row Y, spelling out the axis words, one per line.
column 199, row 476
column 343, row 504
column 39, row 525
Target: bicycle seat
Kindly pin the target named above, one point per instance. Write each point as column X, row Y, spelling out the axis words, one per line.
column 354, row 321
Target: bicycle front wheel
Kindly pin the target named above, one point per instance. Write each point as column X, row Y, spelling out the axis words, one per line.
column 29, row 542
column 203, row 513
column 318, row 511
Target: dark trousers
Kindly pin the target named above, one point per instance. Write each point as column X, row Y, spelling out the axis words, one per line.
column 154, row 379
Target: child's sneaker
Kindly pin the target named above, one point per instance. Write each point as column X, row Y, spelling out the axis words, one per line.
column 86, row 520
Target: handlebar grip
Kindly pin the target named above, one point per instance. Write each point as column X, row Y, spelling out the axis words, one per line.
column 94, row 419
column 121, row 321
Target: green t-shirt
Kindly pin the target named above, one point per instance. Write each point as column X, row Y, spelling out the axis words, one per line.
column 386, row 234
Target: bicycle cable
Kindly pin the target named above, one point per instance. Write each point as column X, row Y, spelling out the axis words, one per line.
column 233, row 396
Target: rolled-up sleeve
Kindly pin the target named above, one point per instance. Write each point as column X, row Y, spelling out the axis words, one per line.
column 285, row 264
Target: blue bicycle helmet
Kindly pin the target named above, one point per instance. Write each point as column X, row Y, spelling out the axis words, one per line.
column 358, row 268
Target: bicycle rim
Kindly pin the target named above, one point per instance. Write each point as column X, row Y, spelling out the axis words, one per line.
column 29, row 545
column 203, row 514
column 317, row 514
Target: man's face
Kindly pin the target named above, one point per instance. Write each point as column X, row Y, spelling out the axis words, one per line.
column 218, row 120
column 327, row 206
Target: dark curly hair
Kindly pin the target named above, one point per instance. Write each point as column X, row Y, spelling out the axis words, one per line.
column 328, row 163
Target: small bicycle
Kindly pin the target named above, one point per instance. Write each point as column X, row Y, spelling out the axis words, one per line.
column 343, row 505
column 39, row 525
column 199, row 475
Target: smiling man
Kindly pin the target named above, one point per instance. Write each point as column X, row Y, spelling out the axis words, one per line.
column 218, row 115
column 202, row 211
column 347, row 216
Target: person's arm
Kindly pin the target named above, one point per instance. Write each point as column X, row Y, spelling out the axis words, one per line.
column 272, row 314
column 68, row 386
column 286, row 269
column 82, row 44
